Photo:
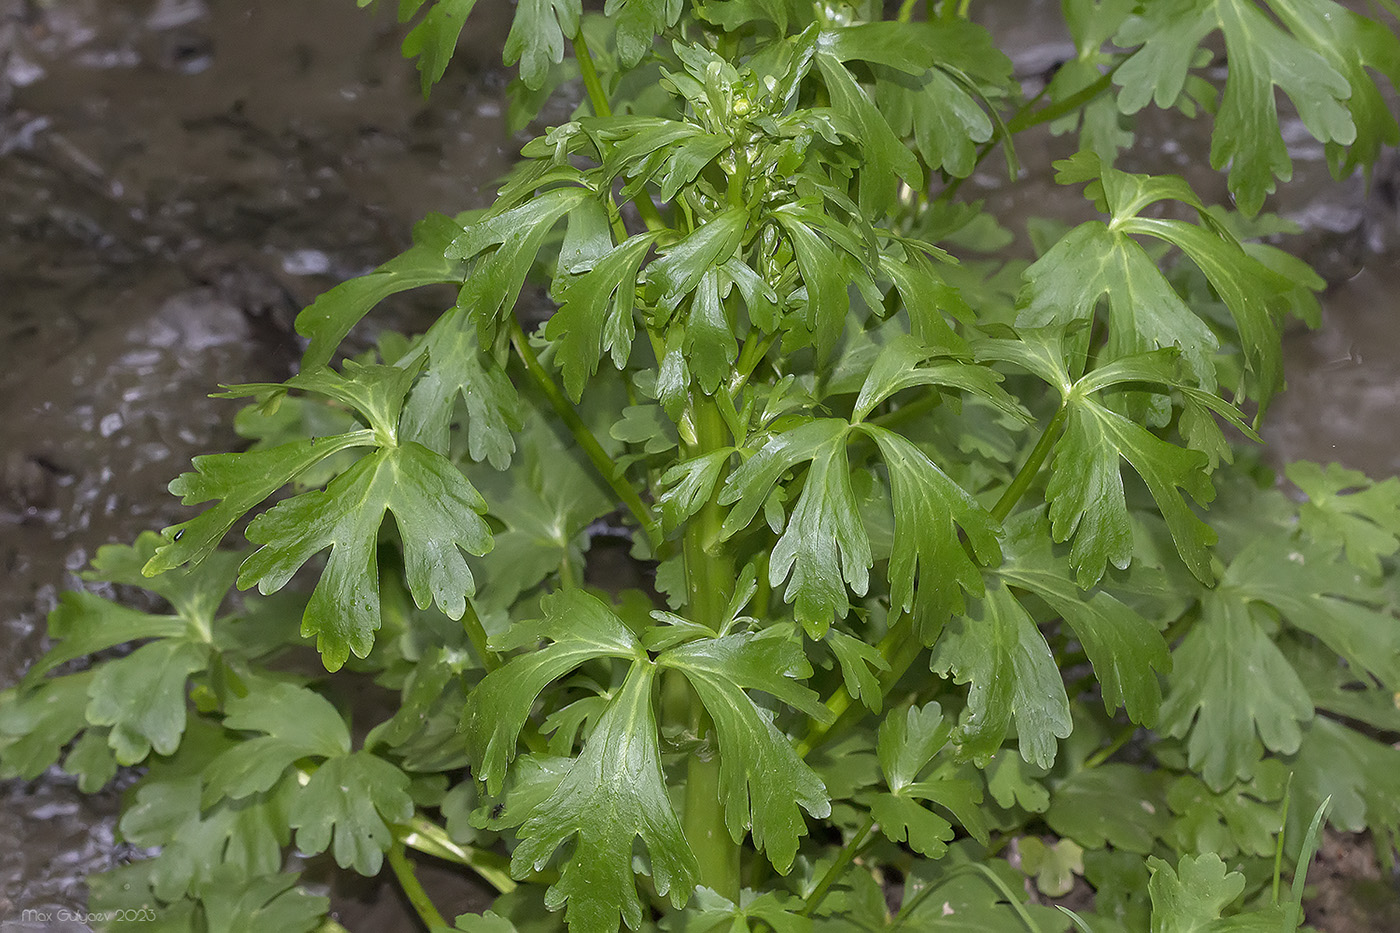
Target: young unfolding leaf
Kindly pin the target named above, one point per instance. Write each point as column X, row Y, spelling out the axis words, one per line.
column 435, row 509
column 762, row 781
column 858, row 661
column 908, row 741
column 613, row 793
column 328, row 319
column 691, row 484
column 1124, row 648
column 579, row 627
column 1261, row 56
column 997, row 649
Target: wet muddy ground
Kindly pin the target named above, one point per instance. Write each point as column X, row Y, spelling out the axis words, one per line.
column 179, row 177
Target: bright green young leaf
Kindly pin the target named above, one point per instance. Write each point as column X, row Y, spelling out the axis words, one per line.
column 1231, row 680
column 142, row 697
column 579, row 627
column 903, row 819
column 537, row 36
column 1261, row 56
column 489, row 922
column 1052, row 866
column 296, row 723
column 690, row 486
column 1127, row 650
column 456, row 368
column 434, row 40
column 1347, row 511
column 997, row 649
column 709, row 912
column 929, row 510
column 328, row 320
column 762, row 781
column 710, row 345
column 612, row 793
column 350, row 799
column 908, row 741
column 595, row 314
column 1190, row 897
column 435, row 509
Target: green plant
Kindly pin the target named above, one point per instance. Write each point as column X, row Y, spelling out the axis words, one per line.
column 910, row 632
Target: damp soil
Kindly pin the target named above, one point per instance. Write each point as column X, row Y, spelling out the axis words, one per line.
column 179, row 177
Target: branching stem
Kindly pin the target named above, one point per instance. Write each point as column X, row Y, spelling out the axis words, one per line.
column 843, row 860
column 413, row 888
column 427, row 837
column 605, row 465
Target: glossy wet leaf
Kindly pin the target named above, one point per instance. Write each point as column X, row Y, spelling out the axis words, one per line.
column 347, row 806
column 435, row 510
column 612, row 793
column 997, row 650
column 762, row 781
column 579, row 628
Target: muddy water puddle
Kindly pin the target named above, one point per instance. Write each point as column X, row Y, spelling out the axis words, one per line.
column 179, row 177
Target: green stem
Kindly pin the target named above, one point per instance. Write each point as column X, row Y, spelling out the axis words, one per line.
column 843, row 859
column 709, row 570
column 906, row 10
column 1108, row 751
column 604, row 464
column 427, row 837
column 413, row 888
column 899, row 648
column 598, row 100
column 1022, row 481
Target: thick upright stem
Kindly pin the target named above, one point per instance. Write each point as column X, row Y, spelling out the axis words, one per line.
column 709, row 572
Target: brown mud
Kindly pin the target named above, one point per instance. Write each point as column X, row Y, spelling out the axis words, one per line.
column 179, row 177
